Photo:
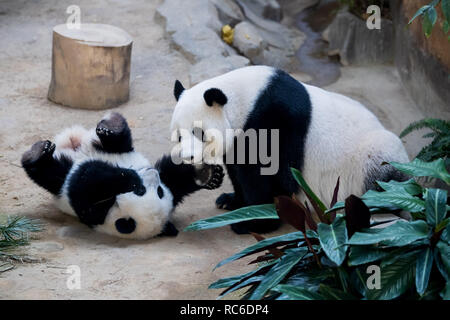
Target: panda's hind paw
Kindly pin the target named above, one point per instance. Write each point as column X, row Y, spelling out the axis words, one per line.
column 40, row 150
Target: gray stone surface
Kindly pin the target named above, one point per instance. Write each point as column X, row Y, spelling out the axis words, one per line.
column 248, row 41
column 277, row 36
column 229, row 12
column 199, row 43
column 261, row 40
column 269, row 9
column 214, row 66
column 194, row 28
column 350, row 38
column 181, row 15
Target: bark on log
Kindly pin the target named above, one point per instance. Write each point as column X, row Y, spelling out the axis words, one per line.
column 90, row 66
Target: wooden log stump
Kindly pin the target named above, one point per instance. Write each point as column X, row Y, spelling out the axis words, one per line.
column 90, row 66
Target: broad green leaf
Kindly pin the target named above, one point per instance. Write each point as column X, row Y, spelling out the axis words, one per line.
column 444, row 250
column 440, row 265
column 445, row 235
column 446, row 26
column 228, row 282
column 446, row 292
column 396, row 278
column 330, row 293
column 263, row 211
column 423, row 269
column 333, row 238
column 358, row 279
column 338, row 206
column 263, row 244
column 278, row 272
column 419, row 168
column 243, row 284
column 418, row 13
column 435, row 206
column 429, row 20
column 410, row 186
column 395, row 197
column 297, row 293
column 298, row 177
column 310, row 278
column 364, row 254
column 445, row 6
column 397, row 234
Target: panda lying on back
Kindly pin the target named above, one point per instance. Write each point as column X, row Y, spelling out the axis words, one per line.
column 323, row 134
column 97, row 176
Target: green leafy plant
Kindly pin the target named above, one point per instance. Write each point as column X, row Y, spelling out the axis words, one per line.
column 15, row 232
column 440, row 132
column 330, row 259
column 429, row 16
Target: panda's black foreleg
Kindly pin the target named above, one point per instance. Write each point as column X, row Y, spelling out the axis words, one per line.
column 169, row 230
column 233, row 200
column 114, row 134
column 253, row 189
column 184, row 179
column 43, row 168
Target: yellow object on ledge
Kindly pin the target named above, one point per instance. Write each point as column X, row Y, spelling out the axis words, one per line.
column 227, row 34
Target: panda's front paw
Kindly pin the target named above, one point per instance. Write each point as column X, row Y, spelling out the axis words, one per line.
column 210, row 176
column 228, row 201
column 39, row 151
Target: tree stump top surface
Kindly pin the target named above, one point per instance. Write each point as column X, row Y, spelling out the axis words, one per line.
column 93, row 34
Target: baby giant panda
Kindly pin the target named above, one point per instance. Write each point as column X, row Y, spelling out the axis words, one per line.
column 323, row 134
column 97, row 176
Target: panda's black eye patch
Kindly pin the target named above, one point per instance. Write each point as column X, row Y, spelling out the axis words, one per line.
column 199, row 134
column 179, row 138
column 125, row 226
column 160, row 192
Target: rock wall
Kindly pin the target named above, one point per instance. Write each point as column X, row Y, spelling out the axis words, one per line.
column 195, row 26
column 356, row 44
column 423, row 63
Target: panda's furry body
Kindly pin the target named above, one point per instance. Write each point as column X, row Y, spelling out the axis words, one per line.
column 323, row 134
column 97, row 176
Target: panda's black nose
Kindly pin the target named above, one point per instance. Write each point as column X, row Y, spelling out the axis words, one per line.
column 125, row 226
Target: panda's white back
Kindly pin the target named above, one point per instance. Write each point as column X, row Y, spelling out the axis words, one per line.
column 344, row 140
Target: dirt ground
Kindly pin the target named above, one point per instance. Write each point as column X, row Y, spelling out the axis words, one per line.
column 162, row 268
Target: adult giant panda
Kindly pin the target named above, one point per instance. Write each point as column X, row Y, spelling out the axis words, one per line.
column 323, row 134
column 97, row 176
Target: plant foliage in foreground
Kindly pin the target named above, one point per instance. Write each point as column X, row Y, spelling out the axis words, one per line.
column 440, row 132
column 14, row 232
column 334, row 259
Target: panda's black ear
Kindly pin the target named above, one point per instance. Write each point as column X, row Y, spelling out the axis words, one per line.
column 178, row 89
column 215, row 95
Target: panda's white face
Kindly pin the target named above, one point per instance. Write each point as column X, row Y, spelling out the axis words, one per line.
column 221, row 105
column 203, row 132
column 140, row 216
